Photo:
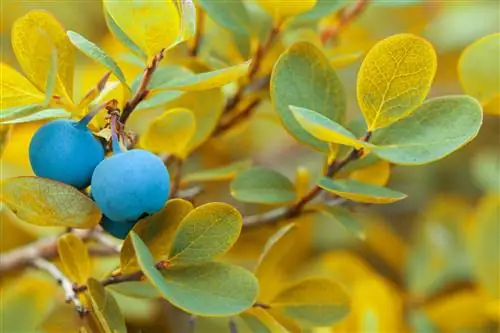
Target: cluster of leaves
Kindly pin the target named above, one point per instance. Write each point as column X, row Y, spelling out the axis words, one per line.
column 183, row 102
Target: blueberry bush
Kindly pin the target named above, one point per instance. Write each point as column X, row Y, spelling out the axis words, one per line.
column 250, row 166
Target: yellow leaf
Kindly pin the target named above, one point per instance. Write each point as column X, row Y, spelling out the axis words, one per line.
column 282, row 9
column 314, row 301
column 344, row 60
column 395, row 78
column 269, row 262
column 302, row 180
column 170, row 132
column 479, row 69
column 152, row 25
column 157, row 231
column 377, row 173
column 105, row 308
column 33, row 37
column 209, row 80
column 16, row 89
column 45, row 202
column 18, row 233
column 75, row 257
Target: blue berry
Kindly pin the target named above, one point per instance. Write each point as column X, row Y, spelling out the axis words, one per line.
column 117, row 229
column 66, row 151
column 129, row 184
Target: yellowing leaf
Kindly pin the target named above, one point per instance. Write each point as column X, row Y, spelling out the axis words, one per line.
column 209, row 80
column 275, row 250
column 75, row 257
column 395, row 78
column 206, row 232
column 219, row 174
column 302, row 180
column 360, row 192
column 478, row 68
column 344, row 60
column 377, row 173
column 170, row 132
column 152, row 25
column 260, row 185
column 33, row 37
column 16, row 89
column 314, row 301
column 258, row 320
column 105, row 308
column 46, row 202
column 303, row 77
column 426, row 135
column 282, row 9
column 157, row 231
column 323, row 128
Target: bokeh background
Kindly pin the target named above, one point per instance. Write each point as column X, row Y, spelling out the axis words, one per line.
column 419, row 270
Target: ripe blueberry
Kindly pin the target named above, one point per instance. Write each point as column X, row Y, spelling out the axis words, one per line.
column 129, row 184
column 117, row 229
column 66, row 151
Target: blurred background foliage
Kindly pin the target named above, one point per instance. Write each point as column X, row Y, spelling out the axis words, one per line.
column 430, row 263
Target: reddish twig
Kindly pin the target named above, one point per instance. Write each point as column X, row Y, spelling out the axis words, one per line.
column 347, row 15
column 224, row 126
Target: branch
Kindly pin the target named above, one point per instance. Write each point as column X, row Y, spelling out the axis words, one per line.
column 290, row 212
column 63, row 281
column 230, row 123
column 142, row 92
column 347, row 16
column 176, row 181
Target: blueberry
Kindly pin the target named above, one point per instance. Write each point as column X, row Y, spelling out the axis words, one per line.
column 116, row 229
column 66, row 151
column 129, row 184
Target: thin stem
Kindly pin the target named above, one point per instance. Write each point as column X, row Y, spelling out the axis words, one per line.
column 230, row 123
column 63, row 281
column 261, row 305
column 141, row 92
column 347, row 16
column 176, row 181
column 115, row 141
column 84, row 122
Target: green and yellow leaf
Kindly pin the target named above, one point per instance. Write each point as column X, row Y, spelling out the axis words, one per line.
column 46, row 202
column 360, row 192
column 344, row 217
column 218, row 174
column 74, row 257
column 395, row 78
column 105, row 308
column 283, row 9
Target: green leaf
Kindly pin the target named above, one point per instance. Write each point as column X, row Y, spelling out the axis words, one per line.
column 96, row 53
column 51, row 78
column 105, row 308
column 210, row 289
column 163, row 76
column 19, row 111
column 45, row 202
column 122, row 36
column 433, row 131
column 344, row 217
column 323, row 128
column 44, row 114
column 304, row 78
column 158, row 98
column 321, row 9
column 74, row 257
column 229, row 14
column 315, row 301
column 157, row 231
column 485, row 169
column 395, row 78
column 136, row 289
column 259, row 321
column 260, row 185
column 219, row 174
column 209, row 80
column 206, row 232
column 360, row 192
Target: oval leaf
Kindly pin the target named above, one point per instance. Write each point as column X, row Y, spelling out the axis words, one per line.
column 395, row 78
column 136, row 289
column 170, row 132
column 315, row 301
column 230, row 14
column 360, row 192
column 435, row 130
column 46, row 202
column 198, row 289
column 16, row 90
column 157, row 231
column 96, row 53
column 321, row 9
column 323, row 128
column 122, row 36
column 75, row 257
column 283, row 9
column 33, row 38
column 485, row 169
column 304, row 78
column 44, row 114
column 344, row 217
column 259, row 321
column 152, row 25
column 206, row 232
column 105, row 308
column 210, row 80
column 260, row 185
column 478, row 68
column 219, row 174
